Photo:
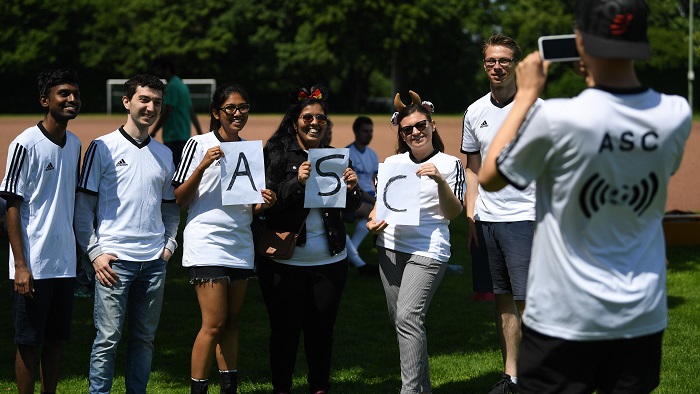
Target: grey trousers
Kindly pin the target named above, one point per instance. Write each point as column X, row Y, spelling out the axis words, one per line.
column 410, row 282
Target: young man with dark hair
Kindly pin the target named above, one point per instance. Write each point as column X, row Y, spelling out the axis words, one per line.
column 501, row 224
column 39, row 185
column 178, row 111
column 126, row 221
column 602, row 161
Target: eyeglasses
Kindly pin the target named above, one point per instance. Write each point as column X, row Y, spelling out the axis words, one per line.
column 320, row 118
column 231, row 109
column 505, row 62
column 408, row 130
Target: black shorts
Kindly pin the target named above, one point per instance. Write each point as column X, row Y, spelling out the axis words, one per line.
column 207, row 273
column 45, row 316
column 481, row 273
column 554, row 365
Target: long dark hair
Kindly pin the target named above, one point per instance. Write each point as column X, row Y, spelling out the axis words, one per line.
column 408, row 110
column 284, row 137
column 221, row 94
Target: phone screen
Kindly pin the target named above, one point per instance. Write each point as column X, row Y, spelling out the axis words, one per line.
column 558, row 48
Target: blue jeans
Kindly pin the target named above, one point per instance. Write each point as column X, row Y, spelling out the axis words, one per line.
column 140, row 289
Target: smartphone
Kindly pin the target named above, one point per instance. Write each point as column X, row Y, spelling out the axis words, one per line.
column 560, row 48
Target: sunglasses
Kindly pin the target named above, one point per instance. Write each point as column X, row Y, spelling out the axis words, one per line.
column 231, row 109
column 320, row 118
column 408, row 130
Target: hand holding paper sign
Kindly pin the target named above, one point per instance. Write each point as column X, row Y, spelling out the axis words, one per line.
column 326, row 185
column 398, row 194
column 242, row 172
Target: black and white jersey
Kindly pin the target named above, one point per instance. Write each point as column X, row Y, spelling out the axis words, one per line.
column 602, row 161
column 44, row 175
column 431, row 238
column 132, row 180
column 215, row 234
column 481, row 122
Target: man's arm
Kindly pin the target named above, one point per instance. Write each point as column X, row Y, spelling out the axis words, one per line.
column 472, row 176
column 195, row 120
column 171, row 221
column 24, row 281
column 84, row 227
column 531, row 75
column 164, row 115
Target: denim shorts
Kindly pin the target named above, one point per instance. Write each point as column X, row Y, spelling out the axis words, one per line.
column 45, row 316
column 508, row 249
column 207, row 273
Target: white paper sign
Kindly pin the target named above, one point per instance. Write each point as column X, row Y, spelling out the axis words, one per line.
column 398, row 194
column 242, row 172
column 326, row 187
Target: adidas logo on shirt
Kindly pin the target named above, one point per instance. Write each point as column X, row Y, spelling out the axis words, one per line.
column 49, row 167
column 218, row 163
column 121, row 163
column 484, row 124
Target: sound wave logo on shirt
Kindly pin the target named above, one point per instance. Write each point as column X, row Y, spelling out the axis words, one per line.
column 597, row 192
column 121, row 163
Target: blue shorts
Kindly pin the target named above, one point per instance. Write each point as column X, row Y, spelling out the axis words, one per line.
column 208, row 273
column 46, row 316
column 508, row 248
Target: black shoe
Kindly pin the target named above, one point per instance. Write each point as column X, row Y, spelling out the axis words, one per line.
column 368, row 270
column 504, row 386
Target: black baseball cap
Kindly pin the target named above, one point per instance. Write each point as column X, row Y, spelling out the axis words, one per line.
column 614, row 29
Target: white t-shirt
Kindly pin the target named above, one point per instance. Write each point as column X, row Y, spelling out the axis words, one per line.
column 45, row 176
column 132, row 181
column 431, row 238
column 602, row 162
column 482, row 120
column 215, row 234
column 315, row 251
column 365, row 164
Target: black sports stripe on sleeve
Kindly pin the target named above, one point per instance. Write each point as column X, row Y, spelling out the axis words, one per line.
column 18, row 156
column 459, row 182
column 88, row 161
column 185, row 162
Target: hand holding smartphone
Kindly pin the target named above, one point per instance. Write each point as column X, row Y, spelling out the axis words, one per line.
column 561, row 48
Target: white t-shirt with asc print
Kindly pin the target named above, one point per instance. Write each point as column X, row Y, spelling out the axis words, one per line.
column 132, row 180
column 215, row 234
column 602, row 161
column 44, row 175
column 431, row 238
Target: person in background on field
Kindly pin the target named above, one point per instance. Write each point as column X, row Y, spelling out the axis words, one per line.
column 413, row 259
column 501, row 224
column 366, row 164
column 218, row 241
column 596, row 297
column 126, row 221
column 39, row 185
column 303, row 294
column 178, row 111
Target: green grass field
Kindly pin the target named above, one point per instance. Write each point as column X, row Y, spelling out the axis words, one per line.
column 462, row 344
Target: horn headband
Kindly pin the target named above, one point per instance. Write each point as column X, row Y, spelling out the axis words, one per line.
column 415, row 99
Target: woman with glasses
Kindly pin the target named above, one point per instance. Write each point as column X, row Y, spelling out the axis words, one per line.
column 413, row 259
column 302, row 294
column 218, row 241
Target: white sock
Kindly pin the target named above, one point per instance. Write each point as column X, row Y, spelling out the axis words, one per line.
column 360, row 232
column 514, row 379
column 353, row 256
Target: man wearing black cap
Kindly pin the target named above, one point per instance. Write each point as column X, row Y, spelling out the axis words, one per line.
column 602, row 161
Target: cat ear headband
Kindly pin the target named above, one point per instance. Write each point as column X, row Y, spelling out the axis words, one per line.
column 415, row 99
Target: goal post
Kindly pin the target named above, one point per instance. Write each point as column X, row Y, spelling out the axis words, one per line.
column 201, row 92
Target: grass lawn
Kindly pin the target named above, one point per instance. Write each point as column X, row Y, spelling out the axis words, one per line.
column 462, row 344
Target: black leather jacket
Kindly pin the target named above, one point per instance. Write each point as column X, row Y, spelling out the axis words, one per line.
column 289, row 213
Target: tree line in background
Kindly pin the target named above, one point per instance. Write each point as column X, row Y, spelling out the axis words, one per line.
column 363, row 50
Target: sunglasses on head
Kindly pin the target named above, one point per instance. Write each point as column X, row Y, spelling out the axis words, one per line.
column 320, row 118
column 408, row 130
